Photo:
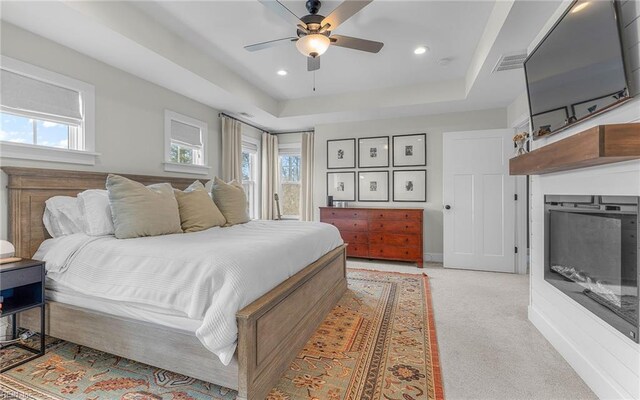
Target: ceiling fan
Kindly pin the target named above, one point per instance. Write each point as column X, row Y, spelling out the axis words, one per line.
column 314, row 30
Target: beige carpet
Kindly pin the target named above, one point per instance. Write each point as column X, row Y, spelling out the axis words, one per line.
column 488, row 347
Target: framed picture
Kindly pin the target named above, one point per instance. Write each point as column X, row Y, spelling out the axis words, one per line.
column 410, row 185
column 550, row 120
column 373, row 152
column 373, row 186
column 582, row 109
column 341, row 185
column 341, row 153
column 410, row 150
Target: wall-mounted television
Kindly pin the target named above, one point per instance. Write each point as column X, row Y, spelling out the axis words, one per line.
column 578, row 69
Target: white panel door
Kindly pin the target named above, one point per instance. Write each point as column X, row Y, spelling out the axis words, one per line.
column 479, row 203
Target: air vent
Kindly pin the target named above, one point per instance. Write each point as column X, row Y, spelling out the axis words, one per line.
column 510, row 61
column 246, row 115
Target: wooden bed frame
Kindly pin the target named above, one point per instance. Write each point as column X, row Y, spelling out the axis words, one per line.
column 271, row 330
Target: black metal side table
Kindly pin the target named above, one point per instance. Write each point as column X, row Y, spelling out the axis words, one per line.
column 21, row 289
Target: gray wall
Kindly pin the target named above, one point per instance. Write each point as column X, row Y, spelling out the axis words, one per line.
column 129, row 111
column 435, row 126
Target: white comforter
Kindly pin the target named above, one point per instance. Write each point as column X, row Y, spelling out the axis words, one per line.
column 208, row 275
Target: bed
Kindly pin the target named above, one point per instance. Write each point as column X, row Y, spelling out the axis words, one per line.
column 271, row 330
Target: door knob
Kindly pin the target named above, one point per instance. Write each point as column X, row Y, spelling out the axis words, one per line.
column 447, row 207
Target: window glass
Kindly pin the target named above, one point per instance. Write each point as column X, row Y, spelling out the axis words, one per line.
column 290, row 185
column 52, row 134
column 16, row 129
column 249, row 179
column 19, row 129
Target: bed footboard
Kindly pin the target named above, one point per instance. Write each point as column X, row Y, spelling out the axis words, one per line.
column 273, row 329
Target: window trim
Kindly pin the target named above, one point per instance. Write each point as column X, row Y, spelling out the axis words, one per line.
column 170, row 166
column 86, row 156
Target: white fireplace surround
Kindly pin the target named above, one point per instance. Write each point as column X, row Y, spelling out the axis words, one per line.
column 606, row 360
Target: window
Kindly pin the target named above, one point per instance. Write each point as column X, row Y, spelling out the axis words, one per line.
column 185, row 144
column 290, row 168
column 44, row 115
column 250, row 174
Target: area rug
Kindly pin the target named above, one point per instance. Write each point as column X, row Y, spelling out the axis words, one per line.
column 378, row 343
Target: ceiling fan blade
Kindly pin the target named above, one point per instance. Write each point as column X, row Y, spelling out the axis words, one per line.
column 313, row 63
column 270, row 43
column 356, row 44
column 283, row 11
column 343, row 12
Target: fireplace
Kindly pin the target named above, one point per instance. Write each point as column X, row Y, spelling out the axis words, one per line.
column 591, row 255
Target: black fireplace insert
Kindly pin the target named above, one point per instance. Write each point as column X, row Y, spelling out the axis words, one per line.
column 591, row 255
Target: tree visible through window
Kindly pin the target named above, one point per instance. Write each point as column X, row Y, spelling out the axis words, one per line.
column 290, row 164
column 249, row 177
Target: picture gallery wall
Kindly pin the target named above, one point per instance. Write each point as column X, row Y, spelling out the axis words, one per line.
column 378, row 169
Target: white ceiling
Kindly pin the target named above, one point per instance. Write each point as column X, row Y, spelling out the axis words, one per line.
column 401, row 25
column 196, row 48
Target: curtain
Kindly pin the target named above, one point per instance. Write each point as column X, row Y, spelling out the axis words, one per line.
column 231, row 149
column 306, row 177
column 270, row 176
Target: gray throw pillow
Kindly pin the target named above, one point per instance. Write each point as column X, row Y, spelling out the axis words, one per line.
column 139, row 210
column 231, row 200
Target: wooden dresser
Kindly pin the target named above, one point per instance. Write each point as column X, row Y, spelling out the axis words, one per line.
column 379, row 233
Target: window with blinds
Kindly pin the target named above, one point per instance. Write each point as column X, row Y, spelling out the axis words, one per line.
column 44, row 109
column 185, row 139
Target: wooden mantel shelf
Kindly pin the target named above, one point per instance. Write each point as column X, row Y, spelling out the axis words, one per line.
column 602, row 144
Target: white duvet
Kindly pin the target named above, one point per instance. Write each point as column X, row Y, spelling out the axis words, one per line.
column 208, row 275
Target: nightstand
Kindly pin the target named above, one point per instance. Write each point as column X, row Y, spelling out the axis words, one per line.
column 21, row 289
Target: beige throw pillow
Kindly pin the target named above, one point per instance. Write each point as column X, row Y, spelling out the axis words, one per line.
column 231, row 200
column 139, row 210
column 197, row 211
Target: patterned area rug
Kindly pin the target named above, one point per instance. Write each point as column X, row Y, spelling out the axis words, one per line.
column 378, row 343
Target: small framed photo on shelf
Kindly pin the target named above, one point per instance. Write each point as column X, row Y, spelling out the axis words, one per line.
column 341, row 185
column 373, row 186
column 341, row 153
column 373, row 152
column 410, row 150
column 410, row 185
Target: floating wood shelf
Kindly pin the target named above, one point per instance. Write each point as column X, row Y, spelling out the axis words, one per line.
column 602, row 144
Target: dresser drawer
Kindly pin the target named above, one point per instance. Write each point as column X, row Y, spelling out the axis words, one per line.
column 395, row 252
column 395, row 215
column 394, row 240
column 349, row 225
column 396, row 226
column 355, row 237
column 333, row 213
column 357, row 250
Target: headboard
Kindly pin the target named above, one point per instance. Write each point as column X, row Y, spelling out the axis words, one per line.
column 29, row 188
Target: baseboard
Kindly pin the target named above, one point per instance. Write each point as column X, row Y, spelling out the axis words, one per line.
column 599, row 383
column 433, row 257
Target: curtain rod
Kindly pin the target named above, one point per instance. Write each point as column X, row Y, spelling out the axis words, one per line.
column 261, row 128
column 244, row 122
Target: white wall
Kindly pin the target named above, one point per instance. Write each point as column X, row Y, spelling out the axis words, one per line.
column 434, row 126
column 129, row 111
column 607, row 360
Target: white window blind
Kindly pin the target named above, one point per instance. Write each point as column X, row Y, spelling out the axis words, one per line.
column 38, row 99
column 249, row 146
column 186, row 134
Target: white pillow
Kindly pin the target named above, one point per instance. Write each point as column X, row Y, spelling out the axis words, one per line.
column 63, row 216
column 94, row 204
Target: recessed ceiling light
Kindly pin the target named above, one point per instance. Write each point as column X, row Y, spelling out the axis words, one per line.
column 420, row 50
column 444, row 61
column 580, row 7
column 282, row 72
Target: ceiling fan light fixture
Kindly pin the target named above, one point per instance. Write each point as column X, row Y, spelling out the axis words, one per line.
column 420, row 50
column 313, row 45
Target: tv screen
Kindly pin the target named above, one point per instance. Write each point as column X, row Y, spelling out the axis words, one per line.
column 578, row 70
